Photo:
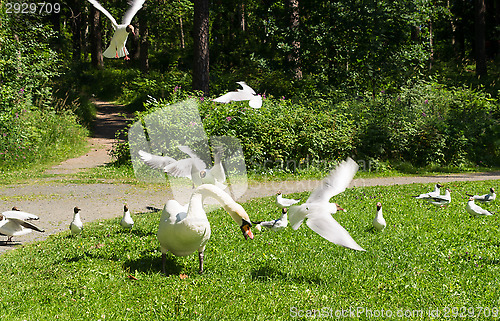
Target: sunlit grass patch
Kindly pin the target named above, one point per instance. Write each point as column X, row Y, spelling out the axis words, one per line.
column 426, row 258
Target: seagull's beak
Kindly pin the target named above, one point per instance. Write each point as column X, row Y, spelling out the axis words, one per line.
column 340, row 208
column 245, row 228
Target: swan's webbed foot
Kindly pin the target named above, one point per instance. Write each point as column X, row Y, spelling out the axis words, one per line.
column 200, row 257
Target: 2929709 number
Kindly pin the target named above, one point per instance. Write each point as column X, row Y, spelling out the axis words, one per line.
column 32, row 7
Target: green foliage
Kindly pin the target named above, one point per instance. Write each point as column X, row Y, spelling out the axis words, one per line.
column 35, row 126
column 426, row 258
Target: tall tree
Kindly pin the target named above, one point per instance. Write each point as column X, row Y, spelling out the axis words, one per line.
column 480, row 38
column 294, row 56
column 144, row 39
column 95, row 39
column 201, row 40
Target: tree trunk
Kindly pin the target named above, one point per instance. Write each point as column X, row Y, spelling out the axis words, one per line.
column 479, row 38
column 242, row 16
column 294, row 56
column 95, row 39
column 144, row 39
column 201, row 52
column 76, row 28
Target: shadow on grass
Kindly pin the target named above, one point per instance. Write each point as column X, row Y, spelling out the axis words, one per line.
column 268, row 273
column 151, row 263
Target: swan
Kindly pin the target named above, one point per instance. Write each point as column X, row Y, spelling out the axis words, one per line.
column 247, row 93
column 185, row 229
column 275, row 225
column 317, row 208
column 285, row 202
column 15, row 223
column 76, row 225
column 435, row 192
column 117, row 47
column 379, row 221
column 476, row 210
column 486, row 197
column 127, row 221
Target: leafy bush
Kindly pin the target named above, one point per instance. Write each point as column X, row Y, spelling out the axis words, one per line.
column 425, row 124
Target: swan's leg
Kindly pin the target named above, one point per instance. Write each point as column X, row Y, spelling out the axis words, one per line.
column 200, row 257
column 163, row 262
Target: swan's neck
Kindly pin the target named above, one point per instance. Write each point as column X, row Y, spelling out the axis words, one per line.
column 208, row 190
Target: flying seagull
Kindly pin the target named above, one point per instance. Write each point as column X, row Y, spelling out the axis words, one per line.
column 247, row 93
column 318, row 209
column 117, row 47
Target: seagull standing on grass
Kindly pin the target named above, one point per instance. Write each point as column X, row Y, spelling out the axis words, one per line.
column 247, row 93
column 486, row 197
column 117, row 47
column 127, row 222
column 379, row 221
column 76, row 225
column 16, row 223
column 435, row 192
column 441, row 200
column 318, row 209
column 275, row 225
column 476, row 210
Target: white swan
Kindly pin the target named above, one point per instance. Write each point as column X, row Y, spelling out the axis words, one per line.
column 491, row 196
column 76, row 225
column 285, row 202
column 318, row 209
column 14, row 223
column 117, row 47
column 247, row 93
column 379, row 221
column 185, row 229
column 127, row 222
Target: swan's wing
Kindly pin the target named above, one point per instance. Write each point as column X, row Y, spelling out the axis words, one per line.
column 135, row 6
column 154, row 161
column 98, row 6
column 326, row 226
column 19, row 215
column 335, row 183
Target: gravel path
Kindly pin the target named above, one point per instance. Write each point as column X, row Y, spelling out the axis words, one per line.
column 53, row 199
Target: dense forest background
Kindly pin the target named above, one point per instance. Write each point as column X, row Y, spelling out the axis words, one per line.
column 415, row 82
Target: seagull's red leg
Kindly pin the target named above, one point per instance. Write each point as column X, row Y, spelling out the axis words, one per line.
column 126, row 57
column 117, row 55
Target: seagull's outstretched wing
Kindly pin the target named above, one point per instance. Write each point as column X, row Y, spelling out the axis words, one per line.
column 135, row 6
column 335, row 183
column 154, row 161
column 20, row 215
column 25, row 224
column 98, row 6
column 247, row 93
column 327, row 227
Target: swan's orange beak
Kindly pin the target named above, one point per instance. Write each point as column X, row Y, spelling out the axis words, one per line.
column 245, row 228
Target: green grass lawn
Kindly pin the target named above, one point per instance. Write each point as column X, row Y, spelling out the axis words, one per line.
column 428, row 258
